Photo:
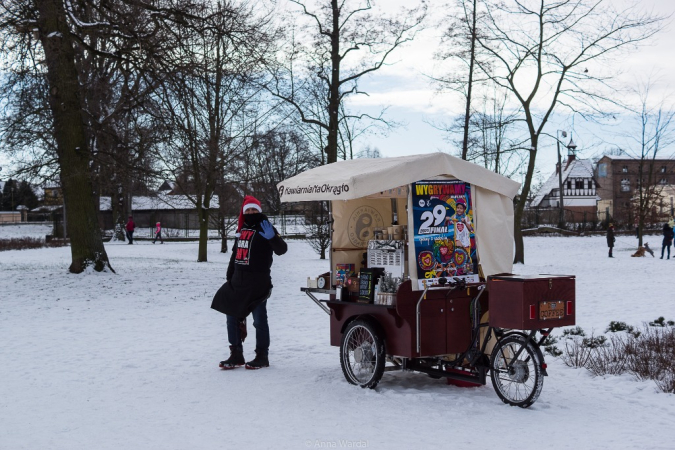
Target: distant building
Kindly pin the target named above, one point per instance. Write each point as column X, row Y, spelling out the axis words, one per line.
column 618, row 182
column 173, row 211
column 168, row 187
column 10, row 217
column 579, row 191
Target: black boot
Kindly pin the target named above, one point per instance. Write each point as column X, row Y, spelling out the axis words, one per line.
column 236, row 359
column 259, row 362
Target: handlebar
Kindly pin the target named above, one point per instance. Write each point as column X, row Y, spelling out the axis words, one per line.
column 459, row 283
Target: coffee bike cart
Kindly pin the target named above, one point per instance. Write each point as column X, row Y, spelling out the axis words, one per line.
column 442, row 227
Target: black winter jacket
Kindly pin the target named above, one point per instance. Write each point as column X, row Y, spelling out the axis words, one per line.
column 610, row 237
column 251, row 251
column 667, row 235
column 248, row 275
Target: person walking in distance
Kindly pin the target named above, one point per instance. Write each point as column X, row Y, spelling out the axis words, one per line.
column 249, row 284
column 158, row 233
column 131, row 226
column 610, row 239
column 667, row 239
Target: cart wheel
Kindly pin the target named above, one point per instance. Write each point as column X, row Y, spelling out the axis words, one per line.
column 362, row 354
column 517, row 379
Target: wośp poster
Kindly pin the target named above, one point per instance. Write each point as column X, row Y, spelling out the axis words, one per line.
column 445, row 243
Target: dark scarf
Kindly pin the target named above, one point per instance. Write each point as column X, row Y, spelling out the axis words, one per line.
column 253, row 220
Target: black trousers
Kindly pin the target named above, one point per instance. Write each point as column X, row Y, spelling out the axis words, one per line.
column 663, row 247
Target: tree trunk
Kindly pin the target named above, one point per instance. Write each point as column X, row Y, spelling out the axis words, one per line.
column 119, row 213
column 472, row 57
column 223, row 234
column 641, row 200
column 519, row 257
column 70, row 134
column 334, row 91
column 203, row 214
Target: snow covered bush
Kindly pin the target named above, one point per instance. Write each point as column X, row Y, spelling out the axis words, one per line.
column 608, row 359
column 651, row 356
column 576, row 351
column 615, row 327
column 550, row 347
column 661, row 322
column 647, row 354
column 27, row 243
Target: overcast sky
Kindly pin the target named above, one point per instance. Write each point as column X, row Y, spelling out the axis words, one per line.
column 403, row 87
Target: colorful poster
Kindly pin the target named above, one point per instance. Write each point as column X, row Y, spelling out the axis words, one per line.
column 445, row 242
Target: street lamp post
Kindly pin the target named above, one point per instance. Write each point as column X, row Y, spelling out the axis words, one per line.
column 561, row 213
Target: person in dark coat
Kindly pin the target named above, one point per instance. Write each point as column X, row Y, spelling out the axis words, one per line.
column 131, row 226
column 610, row 239
column 249, row 284
column 667, row 239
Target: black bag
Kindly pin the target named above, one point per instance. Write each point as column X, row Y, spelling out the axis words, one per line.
column 221, row 304
column 241, row 295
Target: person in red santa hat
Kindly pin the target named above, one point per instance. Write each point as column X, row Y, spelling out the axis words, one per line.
column 249, row 284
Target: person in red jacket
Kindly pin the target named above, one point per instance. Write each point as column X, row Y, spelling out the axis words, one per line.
column 249, row 284
column 131, row 226
column 158, row 233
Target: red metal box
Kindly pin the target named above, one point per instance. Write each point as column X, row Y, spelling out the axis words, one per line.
column 530, row 302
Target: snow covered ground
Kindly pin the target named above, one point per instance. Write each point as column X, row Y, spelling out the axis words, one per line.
column 130, row 361
column 33, row 230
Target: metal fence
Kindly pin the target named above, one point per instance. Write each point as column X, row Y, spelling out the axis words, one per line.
column 573, row 219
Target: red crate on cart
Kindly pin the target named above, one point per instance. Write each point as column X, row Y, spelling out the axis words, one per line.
column 531, row 302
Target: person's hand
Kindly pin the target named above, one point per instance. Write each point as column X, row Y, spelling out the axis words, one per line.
column 267, row 229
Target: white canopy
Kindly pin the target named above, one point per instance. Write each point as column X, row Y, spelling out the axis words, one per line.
column 359, row 178
column 356, row 178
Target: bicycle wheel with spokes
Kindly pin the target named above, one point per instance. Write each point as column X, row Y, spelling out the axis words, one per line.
column 515, row 371
column 362, row 354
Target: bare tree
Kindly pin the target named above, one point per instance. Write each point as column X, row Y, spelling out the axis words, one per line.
column 71, row 137
column 544, row 50
column 56, row 34
column 494, row 138
column 458, row 44
column 210, row 101
column 317, row 227
column 655, row 133
column 493, row 135
column 348, row 41
column 369, row 152
column 26, row 126
column 276, row 155
column 353, row 127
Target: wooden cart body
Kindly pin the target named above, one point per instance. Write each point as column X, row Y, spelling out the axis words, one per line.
column 514, row 302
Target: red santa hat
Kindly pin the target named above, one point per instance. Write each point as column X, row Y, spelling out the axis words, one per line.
column 249, row 202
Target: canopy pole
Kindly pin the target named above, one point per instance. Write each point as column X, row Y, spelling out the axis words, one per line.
column 330, row 250
column 394, row 211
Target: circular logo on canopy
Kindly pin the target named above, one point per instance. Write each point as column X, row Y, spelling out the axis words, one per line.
column 361, row 224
